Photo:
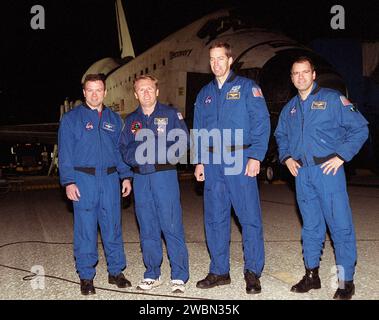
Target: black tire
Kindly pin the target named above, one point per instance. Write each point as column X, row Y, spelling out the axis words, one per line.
column 270, row 174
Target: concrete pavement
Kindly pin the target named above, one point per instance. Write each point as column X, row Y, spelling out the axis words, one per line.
column 37, row 230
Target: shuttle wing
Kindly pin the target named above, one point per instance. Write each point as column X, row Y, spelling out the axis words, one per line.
column 30, row 133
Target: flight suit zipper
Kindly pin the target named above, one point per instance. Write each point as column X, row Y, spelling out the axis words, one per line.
column 100, row 141
column 218, row 103
column 302, row 130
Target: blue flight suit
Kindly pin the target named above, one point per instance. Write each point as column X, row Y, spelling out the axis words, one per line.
column 156, row 187
column 239, row 104
column 312, row 131
column 89, row 157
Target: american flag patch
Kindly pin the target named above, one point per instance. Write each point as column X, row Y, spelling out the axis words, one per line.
column 345, row 101
column 180, row 116
column 257, row 92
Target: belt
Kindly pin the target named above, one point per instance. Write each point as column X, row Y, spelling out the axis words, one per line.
column 231, row 148
column 158, row 167
column 92, row 170
column 318, row 160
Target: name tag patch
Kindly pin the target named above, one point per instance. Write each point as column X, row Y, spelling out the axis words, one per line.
column 233, row 95
column 108, row 126
column 161, row 121
column 318, row 105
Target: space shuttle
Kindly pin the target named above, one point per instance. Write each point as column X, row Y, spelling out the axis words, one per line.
column 181, row 62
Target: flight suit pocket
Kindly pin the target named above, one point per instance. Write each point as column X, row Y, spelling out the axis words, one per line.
column 333, row 184
column 210, row 119
column 112, row 192
column 208, row 179
column 325, row 139
column 86, row 184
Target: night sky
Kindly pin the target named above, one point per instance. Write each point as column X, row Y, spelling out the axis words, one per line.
column 39, row 68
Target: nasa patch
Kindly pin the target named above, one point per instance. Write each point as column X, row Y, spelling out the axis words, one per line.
column 136, row 125
column 293, row 111
column 89, row 125
column 208, row 100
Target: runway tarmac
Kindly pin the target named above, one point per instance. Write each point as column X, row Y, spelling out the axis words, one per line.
column 37, row 231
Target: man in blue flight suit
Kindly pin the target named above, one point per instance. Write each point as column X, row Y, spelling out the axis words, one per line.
column 153, row 140
column 90, row 166
column 318, row 130
column 231, row 105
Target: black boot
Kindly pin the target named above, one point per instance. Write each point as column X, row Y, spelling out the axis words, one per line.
column 311, row 280
column 86, row 287
column 253, row 285
column 119, row 280
column 345, row 291
column 213, row 280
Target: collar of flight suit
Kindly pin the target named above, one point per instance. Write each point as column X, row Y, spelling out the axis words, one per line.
column 315, row 89
column 156, row 109
column 229, row 79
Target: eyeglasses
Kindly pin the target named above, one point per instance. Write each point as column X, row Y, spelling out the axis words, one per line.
column 298, row 73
